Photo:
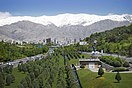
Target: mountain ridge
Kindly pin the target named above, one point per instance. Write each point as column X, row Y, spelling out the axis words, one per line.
column 66, row 19
column 30, row 31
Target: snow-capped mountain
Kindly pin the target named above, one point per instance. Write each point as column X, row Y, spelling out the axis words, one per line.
column 65, row 19
column 29, row 31
column 61, row 27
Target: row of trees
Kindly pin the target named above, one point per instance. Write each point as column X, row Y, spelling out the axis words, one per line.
column 69, row 52
column 6, row 76
column 49, row 72
column 9, row 52
column 114, row 61
column 54, row 71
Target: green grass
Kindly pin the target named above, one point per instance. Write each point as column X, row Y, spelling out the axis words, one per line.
column 18, row 77
column 88, row 80
column 86, row 56
column 74, row 61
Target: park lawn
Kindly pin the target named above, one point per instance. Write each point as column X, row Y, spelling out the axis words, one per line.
column 86, row 56
column 74, row 61
column 88, row 80
column 18, row 77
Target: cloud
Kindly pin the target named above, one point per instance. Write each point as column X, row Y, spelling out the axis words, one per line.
column 4, row 15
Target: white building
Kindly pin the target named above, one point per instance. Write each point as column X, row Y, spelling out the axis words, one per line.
column 82, row 43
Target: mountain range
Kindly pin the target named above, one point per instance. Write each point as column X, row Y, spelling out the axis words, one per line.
column 60, row 27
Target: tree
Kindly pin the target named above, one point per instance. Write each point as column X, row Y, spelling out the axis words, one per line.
column 1, row 81
column 13, row 78
column 118, row 77
column 30, row 69
column 20, row 86
column 1, row 69
column 32, row 76
column 24, row 83
column 100, row 71
column 117, row 64
column 20, row 67
column 24, row 68
column 130, row 50
column 36, row 84
column 126, row 64
column 8, row 79
column 36, row 73
column 40, row 79
column 28, row 79
column 2, row 75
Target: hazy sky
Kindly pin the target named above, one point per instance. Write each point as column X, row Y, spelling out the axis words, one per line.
column 53, row 7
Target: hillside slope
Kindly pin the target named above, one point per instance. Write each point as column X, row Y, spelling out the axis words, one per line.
column 117, row 40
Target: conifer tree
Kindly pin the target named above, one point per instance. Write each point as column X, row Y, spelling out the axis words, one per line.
column 100, row 71
column 118, row 77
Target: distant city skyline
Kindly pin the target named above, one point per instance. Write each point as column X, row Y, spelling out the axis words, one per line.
column 54, row 7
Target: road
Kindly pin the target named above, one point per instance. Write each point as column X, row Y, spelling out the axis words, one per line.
column 128, row 59
column 24, row 60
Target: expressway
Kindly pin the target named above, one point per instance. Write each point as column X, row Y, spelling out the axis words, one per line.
column 32, row 58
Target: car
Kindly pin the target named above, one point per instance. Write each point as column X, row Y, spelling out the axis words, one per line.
column 96, row 52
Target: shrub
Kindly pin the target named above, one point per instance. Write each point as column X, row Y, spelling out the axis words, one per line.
column 126, row 64
column 118, row 77
column 100, row 71
column 82, row 66
column 120, row 69
column 117, row 64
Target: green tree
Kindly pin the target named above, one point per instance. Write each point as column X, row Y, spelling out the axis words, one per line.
column 117, row 63
column 20, row 86
column 40, row 79
column 28, row 79
column 8, row 79
column 36, row 72
column 36, row 84
column 24, row 83
column 1, row 69
column 32, row 76
column 20, row 67
column 100, row 71
column 126, row 64
column 1, row 81
column 118, row 77
column 130, row 50
column 30, row 69
column 13, row 78
column 24, row 68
